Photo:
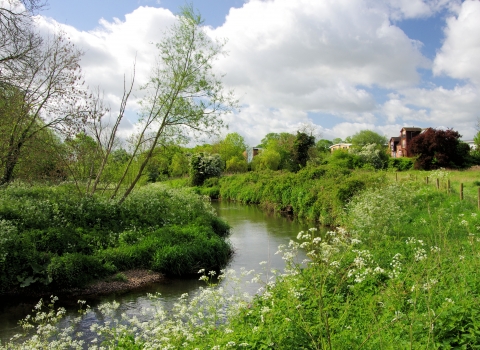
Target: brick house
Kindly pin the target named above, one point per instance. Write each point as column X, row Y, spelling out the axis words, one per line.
column 399, row 145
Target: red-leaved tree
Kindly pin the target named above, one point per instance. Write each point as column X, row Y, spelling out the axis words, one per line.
column 439, row 149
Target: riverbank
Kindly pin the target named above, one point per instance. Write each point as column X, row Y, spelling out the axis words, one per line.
column 53, row 240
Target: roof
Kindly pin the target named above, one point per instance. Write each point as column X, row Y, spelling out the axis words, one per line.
column 412, row 129
column 340, row 144
column 395, row 138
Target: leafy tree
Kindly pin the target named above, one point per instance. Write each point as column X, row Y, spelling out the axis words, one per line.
column 184, row 95
column 439, row 148
column 282, row 144
column 203, row 166
column 337, row 140
column 83, row 156
column 179, row 164
column 368, row 137
column 324, row 145
column 268, row 158
column 301, row 147
column 237, row 164
column 232, row 146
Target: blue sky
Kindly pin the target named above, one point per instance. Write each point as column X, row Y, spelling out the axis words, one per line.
column 342, row 65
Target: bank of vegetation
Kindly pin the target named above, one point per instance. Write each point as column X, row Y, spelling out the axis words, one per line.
column 51, row 238
column 401, row 272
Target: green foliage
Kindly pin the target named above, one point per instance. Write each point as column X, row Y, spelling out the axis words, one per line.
column 51, row 238
column 308, row 193
column 324, row 145
column 268, row 159
column 400, row 164
column 401, row 273
column 237, row 164
column 203, row 166
column 232, row 146
column 301, row 147
column 371, row 156
column 367, row 137
column 344, row 159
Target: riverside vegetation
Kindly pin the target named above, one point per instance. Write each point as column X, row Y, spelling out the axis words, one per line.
column 51, row 238
column 400, row 273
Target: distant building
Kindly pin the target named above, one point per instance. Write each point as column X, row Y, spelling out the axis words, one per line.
column 339, row 146
column 471, row 143
column 251, row 152
column 399, row 145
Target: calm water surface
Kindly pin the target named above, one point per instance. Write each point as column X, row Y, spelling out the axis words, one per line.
column 255, row 237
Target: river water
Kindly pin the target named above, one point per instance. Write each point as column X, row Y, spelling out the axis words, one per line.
column 255, row 237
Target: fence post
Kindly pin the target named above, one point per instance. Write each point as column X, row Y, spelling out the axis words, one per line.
column 396, row 177
column 438, row 184
column 426, row 180
column 461, row 191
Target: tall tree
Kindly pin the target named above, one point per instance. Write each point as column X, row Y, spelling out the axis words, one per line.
column 183, row 95
column 232, row 146
column 49, row 95
column 301, row 147
column 439, row 148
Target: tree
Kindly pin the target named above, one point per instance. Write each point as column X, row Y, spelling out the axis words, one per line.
column 18, row 39
column 368, row 137
column 439, row 148
column 183, row 95
column 232, row 146
column 49, row 95
column 203, row 166
column 324, row 145
column 268, row 158
column 337, row 140
column 301, row 146
column 282, row 144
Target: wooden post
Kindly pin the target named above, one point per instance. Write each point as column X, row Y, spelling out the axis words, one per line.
column 396, row 176
column 461, row 191
column 448, row 186
column 438, row 184
column 479, row 198
column 426, row 180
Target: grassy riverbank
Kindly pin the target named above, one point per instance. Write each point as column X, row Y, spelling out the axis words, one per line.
column 401, row 273
column 314, row 193
column 52, row 239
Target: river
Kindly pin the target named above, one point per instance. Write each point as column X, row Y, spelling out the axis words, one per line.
column 255, row 237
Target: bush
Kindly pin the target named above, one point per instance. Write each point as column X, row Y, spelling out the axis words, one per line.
column 204, row 166
column 401, row 164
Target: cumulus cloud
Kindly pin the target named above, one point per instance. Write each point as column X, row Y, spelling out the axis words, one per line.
column 315, row 55
column 460, row 53
column 287, row 59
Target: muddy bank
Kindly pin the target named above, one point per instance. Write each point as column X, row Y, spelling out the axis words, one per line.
column 118, row 283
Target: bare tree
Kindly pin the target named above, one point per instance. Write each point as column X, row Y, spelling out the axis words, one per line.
column 18, row 38
column 51, row 94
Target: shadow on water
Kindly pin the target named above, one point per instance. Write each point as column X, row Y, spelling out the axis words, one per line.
column 255, row 237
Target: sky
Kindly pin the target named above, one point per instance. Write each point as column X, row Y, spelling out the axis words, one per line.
column 341, row 65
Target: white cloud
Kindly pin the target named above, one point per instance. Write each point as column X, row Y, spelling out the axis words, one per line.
column 459, row 56
column 315, row 55
column 288, row 58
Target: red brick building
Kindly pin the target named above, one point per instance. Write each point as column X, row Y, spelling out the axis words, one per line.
column 399, row 145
